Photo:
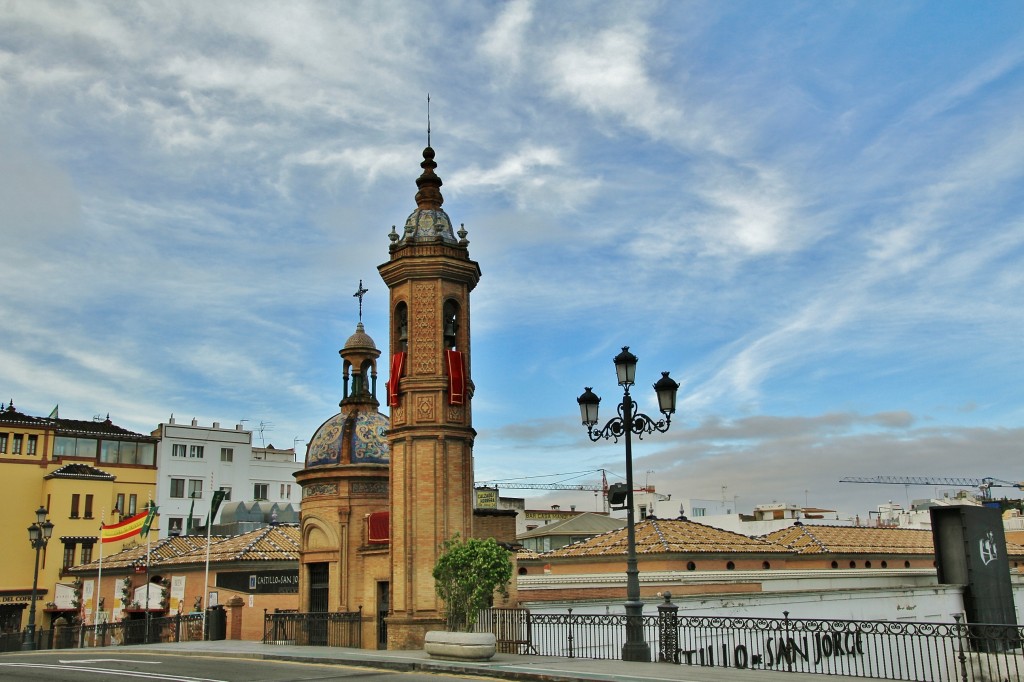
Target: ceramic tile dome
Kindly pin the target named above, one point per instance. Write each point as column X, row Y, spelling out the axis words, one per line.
column 365, row 431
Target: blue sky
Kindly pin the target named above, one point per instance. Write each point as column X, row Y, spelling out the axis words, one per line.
column 812, row 214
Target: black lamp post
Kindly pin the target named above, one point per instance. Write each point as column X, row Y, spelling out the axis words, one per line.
column 627, row 423
column 39, row 534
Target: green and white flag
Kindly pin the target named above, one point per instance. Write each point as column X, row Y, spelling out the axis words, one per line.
column 149, row 520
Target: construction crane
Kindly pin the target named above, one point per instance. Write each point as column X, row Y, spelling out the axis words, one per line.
column 595, row 487
column 608, row 492
column 985, row 484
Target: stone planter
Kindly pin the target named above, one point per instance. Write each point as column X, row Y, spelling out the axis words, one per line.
column 460, row 646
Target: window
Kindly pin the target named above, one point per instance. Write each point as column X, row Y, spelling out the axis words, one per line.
column 86, row 553
column 700, row 511
column 178, row 450
column 643, row 512
column 74, row 505
column 227, row 493
column 132, row 504
column 86, row 447
column 195, row 488
column 88, row 508
column 3, row 443
column 177, row 487
column 69, row 555
column 32, row 445
column 259, row 491
column 196, row 451
column 286, row 491
column 63, row 446
column 174, row 525
column 147, row 454
column 108, row 451
column 128, row 453
column 120, row 503
column 227, row 454
column 17, row 444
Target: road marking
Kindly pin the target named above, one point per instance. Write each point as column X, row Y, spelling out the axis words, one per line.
column 109, row 671
column 81, row 661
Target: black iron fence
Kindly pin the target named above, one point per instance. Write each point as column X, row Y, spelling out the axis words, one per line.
column 338, row 629
column 177, row 628
column 922, row 652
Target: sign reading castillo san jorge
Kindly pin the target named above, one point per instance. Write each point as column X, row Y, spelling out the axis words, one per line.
column 261, row 582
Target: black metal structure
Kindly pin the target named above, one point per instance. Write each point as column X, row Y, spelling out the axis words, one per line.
column 882, row 650
column 630, row 422
column 339, row 629
column 39, row 534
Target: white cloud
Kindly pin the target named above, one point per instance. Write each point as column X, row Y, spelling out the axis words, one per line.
column 504, row 42
column 606, row 75
column 537, row 179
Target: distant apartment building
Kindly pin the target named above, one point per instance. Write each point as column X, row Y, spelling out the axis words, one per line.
column 196, row 460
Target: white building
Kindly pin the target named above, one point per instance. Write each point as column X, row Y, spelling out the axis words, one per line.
column 194, row 460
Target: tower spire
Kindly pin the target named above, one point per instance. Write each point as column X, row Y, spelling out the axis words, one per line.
column 428, row 119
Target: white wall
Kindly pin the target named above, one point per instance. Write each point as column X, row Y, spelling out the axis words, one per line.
column 913, row 595
column 240, row 474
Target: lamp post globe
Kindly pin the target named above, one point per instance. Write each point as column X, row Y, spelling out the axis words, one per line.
column 589, row 402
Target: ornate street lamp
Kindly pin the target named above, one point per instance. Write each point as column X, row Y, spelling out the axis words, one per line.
column 627, row 423
column 39, row 534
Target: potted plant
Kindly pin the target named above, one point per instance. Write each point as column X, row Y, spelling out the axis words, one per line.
column 126, row 589
column 466, row 577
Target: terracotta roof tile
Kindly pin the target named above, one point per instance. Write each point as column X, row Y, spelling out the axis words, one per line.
column 852, row 540
column 666, row 536
column 272, row 543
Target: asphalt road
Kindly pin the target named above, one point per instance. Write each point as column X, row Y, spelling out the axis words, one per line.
column 53, row 666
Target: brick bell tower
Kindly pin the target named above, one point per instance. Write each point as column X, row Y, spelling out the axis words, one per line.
column 430, row 276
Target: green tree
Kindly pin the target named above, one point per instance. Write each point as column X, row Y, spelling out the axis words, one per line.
column 466, row 576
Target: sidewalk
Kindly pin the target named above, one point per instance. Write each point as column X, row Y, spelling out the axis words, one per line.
column 502, row 666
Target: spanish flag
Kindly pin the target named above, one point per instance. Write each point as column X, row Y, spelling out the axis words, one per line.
column 124, row 530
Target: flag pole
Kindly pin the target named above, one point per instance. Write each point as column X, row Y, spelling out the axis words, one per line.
column 149, row 545
column 99, row 584
column 206, row 579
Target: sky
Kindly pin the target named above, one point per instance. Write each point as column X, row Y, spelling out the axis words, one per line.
column 811, row 214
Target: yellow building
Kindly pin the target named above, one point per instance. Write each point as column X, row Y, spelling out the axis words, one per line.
column 83, row 473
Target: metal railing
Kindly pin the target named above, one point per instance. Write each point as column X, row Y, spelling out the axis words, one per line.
column 177, row 628
column 338, row 629
column 921, row 652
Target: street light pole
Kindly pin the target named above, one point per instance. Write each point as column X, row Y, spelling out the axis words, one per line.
column 38, row 535
column 625, row 425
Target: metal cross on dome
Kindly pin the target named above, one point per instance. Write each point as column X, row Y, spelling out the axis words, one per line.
column 360, row 292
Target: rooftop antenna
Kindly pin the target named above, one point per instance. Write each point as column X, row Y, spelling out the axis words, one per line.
column 264, row 426
column 428, row 119
column 360, row 292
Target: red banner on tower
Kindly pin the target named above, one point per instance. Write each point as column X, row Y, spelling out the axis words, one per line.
column 397, row 364
column 378, row 528
column 456, row 378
